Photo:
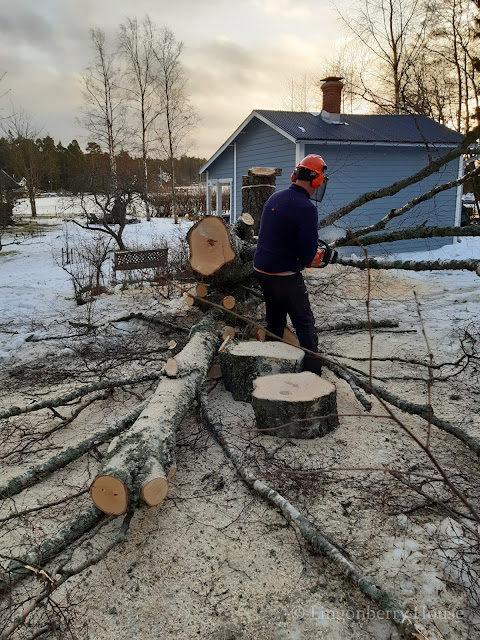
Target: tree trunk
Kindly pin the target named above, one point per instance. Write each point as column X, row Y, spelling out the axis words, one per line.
column 217, row 253
column 244, row 362
column 256, row 189
column 295, row 405
column 140, row 464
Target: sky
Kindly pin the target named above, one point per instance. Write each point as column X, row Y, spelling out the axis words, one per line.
column 239, row 55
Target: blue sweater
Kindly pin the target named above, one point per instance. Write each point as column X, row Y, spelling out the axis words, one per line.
column 288, row 237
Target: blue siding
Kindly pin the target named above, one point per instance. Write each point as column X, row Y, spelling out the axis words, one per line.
column 262, row 146
column 354, row 170
column 258, row 145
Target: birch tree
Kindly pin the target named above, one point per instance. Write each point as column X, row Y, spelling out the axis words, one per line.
column 178, row 116
column 137, row 44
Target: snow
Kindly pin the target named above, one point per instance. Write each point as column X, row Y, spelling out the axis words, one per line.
column 35, row 292
column 36, row 296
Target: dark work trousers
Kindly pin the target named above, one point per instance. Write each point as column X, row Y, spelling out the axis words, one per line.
column 288, row 295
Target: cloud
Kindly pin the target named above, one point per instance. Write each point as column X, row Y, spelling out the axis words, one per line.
column 284, row 9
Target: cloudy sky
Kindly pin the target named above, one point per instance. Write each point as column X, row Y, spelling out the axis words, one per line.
column 239, row 55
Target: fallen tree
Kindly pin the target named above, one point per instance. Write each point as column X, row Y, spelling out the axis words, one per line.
column 143, row 460
column 319, row 542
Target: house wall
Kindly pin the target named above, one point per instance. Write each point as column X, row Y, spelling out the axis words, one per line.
column 354, row 170
column 257, row 146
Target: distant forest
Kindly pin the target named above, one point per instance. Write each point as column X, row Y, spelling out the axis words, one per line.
column 59, row 168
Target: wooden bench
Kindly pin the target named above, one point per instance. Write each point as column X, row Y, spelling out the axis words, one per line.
column 147, row 259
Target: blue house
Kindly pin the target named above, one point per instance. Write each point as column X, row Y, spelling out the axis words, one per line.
column 363, row 153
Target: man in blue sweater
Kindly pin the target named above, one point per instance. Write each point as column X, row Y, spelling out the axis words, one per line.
column 287, row 243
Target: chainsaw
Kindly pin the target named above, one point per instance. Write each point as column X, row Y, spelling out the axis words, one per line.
column 325, row 255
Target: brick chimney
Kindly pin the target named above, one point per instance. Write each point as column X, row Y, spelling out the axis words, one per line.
column 332, row 94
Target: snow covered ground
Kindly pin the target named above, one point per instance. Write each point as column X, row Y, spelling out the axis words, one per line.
column 34, row 289
column 282, row 596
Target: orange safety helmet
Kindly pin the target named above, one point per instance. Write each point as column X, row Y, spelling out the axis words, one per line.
column 317, row 165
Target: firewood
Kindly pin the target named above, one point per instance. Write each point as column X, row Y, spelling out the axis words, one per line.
column 243, row 362
column 201, row 290
column 247, row 219
column 215, row 373
column 171, row 344
column 228, row 331
column 260, row 334
column 295, row 405
column 228, row 302
column 171, row 368
column 290, row 337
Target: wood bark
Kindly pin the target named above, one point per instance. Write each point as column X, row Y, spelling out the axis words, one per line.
column 352, row 240
column 394, row 188
column 140, row 464
column 320, row 542
column 256, row 189
column 50, row 547
column 396, row 213
column 40, row 470
column 59, row 401
column 412, row 265
column 242, row 363
column 295, row 405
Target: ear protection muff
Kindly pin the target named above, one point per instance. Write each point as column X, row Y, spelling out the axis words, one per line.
column 317, row 179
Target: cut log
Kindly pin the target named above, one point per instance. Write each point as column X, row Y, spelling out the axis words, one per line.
column 217, row 253
column 228, row 331
column 171, row 368
column 295, row 405
column 290, row 337
column 243, row 227
column 228, row 302
column 144, row 458
column 201, row 290
column 210, row 245
column 243, row 362
column 257, row 187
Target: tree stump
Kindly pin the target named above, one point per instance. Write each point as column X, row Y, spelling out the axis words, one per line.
column 295, row 405
column 257, row 187
column 243, row 362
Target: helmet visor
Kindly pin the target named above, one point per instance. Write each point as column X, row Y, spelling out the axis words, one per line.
column 321, row 190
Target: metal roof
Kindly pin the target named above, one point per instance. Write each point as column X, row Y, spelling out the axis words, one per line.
column 300, row 126
column 396, row 129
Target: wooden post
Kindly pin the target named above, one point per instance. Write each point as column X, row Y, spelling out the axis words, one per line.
column 257, row 187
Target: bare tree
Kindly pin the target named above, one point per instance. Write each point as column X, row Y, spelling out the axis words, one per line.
column 26, row 158
column 104, row 114
column 301, row 93
column 137, row 43
column 394, row 31
column 179, row 116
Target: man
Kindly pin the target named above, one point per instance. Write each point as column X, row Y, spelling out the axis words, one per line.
column 287, row 242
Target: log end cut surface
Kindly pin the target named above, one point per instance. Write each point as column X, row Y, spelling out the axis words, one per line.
column 295, row 405
column 155, row 492
column 288, row 387
column 210, row 246
column 109, row 495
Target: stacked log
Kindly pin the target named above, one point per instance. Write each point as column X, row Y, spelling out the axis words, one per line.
column 243, row 362
column 295, row 405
